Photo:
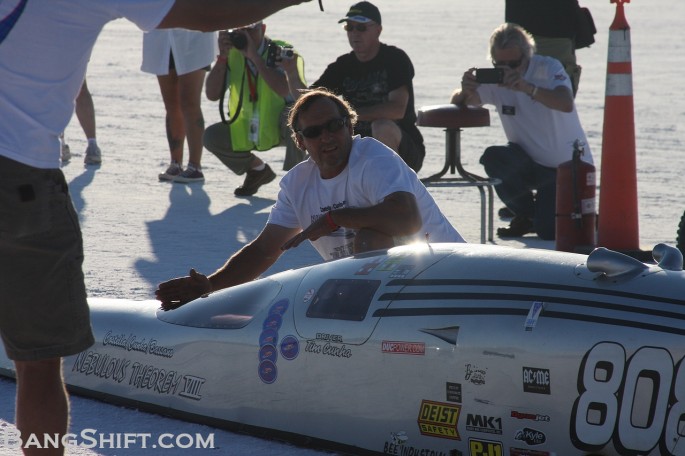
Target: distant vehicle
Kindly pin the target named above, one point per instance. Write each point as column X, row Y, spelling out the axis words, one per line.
column 440, row 349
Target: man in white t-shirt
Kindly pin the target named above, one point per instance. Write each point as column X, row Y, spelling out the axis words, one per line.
column 351, row 195
column 539, row 117
column 44, row 51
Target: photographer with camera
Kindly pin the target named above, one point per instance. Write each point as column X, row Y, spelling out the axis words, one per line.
column 376, row 79
column 535, row 103
column 255, row 114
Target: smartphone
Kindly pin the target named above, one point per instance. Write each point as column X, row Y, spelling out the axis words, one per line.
column 489, row 75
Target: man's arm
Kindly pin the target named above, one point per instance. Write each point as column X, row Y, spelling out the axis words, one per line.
column 559, row 98
column 392, row 109
column 468, row 94
column 245, row 265
column 397, row 215
column 212, row 15
column 216, row 79
column 295, row 83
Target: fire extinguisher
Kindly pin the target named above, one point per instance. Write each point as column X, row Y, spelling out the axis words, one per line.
column 576, row 217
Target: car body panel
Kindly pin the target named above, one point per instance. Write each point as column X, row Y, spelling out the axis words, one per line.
column 441, row 349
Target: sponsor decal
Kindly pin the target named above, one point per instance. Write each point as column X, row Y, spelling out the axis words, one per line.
column 483, row 423
column 290, row 347
column 399, row 438
column 453, row 392
column 404, row 348
column 401, row 271
column 529, row 416
column 279, row 308
column 267, row 371
column 530, row 436
column 408, row 450
column 269, row 352
column 268, row 336
column 368, row 268
column 522, row 452
column 478, row 447
column 533, row 315
column 134, row 343
column 536, row 380
column 308, row 295
column 438, row 419
column 273, row 321
column 475, row 374
column 268, row 341
column 501, row 355
column 391, row 263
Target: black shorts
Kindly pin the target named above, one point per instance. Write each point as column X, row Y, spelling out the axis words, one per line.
column 43, row 311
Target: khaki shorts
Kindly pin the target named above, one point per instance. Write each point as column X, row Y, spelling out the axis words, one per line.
column 43, row 309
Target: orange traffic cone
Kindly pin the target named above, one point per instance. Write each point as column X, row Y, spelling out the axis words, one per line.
column 618, row 222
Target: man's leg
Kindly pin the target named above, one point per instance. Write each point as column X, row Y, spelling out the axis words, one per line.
column 85, row 111
column 513, row 166
column 42, row 402
column 387, row 132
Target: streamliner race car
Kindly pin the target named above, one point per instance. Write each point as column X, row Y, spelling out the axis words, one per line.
column 433, row 349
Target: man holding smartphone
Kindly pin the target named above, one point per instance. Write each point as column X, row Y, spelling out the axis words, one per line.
column 535, row 103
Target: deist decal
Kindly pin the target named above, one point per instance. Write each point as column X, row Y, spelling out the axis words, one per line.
column 439, row 419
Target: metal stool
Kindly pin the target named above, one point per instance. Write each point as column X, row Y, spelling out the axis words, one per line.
column 453, row 118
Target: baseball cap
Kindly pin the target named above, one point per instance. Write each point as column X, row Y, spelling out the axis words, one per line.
column 362, row 12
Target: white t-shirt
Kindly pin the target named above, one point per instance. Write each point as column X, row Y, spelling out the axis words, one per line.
column 45, row 46
column 373, row 172
column 192, row 50
column 547, row 135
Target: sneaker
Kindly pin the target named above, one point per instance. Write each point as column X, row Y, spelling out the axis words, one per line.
column 505, row 213
column 65, row 156
column 518, row 227
column 191, row 174
column 171, row 172
column 254, row 180
column 93, row 155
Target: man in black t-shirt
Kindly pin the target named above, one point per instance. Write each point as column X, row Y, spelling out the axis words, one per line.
column 376, row 79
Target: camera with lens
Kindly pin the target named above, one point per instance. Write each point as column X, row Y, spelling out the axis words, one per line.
column 276, row 53
column 238, row 39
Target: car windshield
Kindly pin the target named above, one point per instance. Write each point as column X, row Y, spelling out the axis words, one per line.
column 231, row 308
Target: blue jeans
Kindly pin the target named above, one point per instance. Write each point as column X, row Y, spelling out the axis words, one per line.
column 520, row 176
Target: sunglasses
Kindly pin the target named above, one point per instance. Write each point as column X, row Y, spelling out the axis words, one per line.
column 333, row 125
column 358, row 27
column 513, row 64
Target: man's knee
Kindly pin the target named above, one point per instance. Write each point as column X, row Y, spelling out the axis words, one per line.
column 368, row 239
column 217, row 137
column 387, row 132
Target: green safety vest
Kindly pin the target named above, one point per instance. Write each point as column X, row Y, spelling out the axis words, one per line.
column 265, row 111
